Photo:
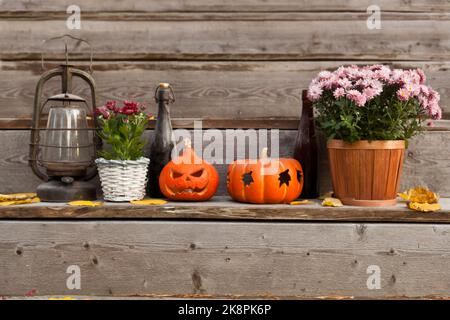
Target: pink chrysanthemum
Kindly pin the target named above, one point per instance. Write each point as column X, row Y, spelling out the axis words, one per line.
column 314, row 92
column 403, row 94
column 361, row 84
column 357, row 97
column 339, row 93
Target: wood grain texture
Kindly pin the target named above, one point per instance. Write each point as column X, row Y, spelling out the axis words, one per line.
column 191, row 123
column 218, row 90
column 222, row 208
column 264, row 39
column 228, row 60
column 213, row 259
column 226, row 6
column 211, row 123
column 433, row 17
column 426, row 161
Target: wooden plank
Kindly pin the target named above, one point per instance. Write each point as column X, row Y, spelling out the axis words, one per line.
column 426, row 154
column 227, row 6
column 222, row 16
column 426, row 162
column 223, row 208
column 237, row 40
column 211, row 259
column 215, row 90
column 191, row 123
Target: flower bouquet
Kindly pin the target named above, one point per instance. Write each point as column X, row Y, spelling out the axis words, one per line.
column 368, row 113
column 122, row 167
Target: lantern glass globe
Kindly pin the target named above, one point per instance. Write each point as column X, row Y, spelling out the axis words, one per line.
column 67, row 146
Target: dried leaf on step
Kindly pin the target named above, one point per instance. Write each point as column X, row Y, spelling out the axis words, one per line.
column 17, row 196
column 420, row 195
column 146, row 202
column 25, row 201
column 331, row 202
column 6, row 203
column 85, row 203
column 295, row 203
column 424, row 207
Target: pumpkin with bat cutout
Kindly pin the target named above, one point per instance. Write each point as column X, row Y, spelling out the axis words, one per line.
column 188, row 177
column 265, row 180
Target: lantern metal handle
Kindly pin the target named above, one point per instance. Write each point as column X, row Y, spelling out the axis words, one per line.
column 171, row 94
column 35, row 136
column 66, row 50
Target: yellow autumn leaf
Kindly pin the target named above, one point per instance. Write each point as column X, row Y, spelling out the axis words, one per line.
column 148, row 202
column 25, row 201
column 331, row 202
column 424, row 207
column 294, row 203
column 85, row 203
column 17, row 196
column 419, row 195
column 6, row 203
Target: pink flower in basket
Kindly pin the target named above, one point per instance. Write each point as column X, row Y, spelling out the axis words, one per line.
column 130, row 107
column 122, row 128
column 103, row 111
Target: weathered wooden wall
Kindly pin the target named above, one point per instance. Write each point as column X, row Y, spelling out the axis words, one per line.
column 170, row 258
column 204, row 89
column 233, row 59
column 242, row 59
column 427, row 162
column 228, row 60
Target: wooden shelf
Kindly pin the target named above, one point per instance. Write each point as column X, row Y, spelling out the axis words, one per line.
column 223, row 249
column 209, row 123
column 222, row 208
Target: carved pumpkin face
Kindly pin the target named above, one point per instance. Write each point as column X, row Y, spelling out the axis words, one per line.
column 188, row 178
column 265, row 180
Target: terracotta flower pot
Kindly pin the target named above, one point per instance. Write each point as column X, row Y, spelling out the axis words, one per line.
column 366, row 173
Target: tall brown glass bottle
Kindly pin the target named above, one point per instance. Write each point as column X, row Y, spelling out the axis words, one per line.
column 162, row 145
column 305, row 150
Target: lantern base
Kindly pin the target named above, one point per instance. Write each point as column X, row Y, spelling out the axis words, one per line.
column 66, row 189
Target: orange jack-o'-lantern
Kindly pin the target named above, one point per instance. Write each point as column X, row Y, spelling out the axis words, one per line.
column 265, row 180
column 188, row 177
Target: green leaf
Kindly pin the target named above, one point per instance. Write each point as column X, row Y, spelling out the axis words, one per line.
column 382, row 118
column 123, row 134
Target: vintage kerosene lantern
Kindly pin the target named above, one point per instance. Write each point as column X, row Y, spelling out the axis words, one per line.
column 62, row 153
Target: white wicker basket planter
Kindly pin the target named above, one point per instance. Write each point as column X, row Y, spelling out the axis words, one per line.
column 123, row 180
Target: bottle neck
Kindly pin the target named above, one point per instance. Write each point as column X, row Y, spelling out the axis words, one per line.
column 163, row 108
column 163, row 102
column 307, row 107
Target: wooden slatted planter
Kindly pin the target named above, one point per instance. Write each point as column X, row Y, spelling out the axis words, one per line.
column 366, row 173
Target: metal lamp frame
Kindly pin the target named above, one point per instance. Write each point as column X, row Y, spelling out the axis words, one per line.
column 66, row 72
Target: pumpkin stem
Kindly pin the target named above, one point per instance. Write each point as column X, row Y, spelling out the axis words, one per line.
column 187, row 143
column 263, row 155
